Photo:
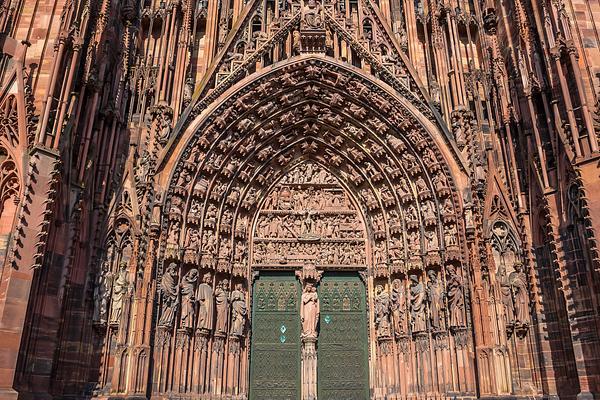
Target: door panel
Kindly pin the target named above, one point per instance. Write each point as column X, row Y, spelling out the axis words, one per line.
column 275, row 348
column 342, row 358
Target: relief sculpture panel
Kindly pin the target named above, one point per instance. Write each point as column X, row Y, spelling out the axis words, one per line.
column 309, row 217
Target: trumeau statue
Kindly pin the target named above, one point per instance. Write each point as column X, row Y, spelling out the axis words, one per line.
column 170, row 293
column 309, row 311
column 456, row 301
column 222, row 306
column 206, row 309
column 119, row 291
column 435, row 297
column 417, row 305
column 398, row 298
column 382, row 312
column 238, row 311
column 188, row 298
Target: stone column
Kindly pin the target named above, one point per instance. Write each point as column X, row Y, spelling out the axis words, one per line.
column 200, row 354
column 309, row 368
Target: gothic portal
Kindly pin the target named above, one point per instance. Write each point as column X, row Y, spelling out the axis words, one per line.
column 299, row 199
column 319, row 251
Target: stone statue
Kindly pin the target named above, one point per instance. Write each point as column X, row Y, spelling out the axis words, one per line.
column 398, row 298
column 222, row 305
column 431, row 240
column 506, row 295
column 312, row 14
column 170, row 293
column 164, row 125
column 206, row 309
column 435, row 297
column 450, row 235
column 456, row 301
column 101, row 293
column 118, row 296
column 382, row 312
column 417, row 305
column 188, row 298
column 238, row 311
column 518, row 284
column 309, row 312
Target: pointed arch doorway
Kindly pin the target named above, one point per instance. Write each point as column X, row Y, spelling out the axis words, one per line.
column 309, row 218
column 403, row 180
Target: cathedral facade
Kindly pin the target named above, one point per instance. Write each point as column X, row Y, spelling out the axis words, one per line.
column 299, row 199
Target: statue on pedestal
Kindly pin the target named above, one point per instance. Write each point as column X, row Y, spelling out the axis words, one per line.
column 239, row 311
column 398, row 298
column 188, row 299
column 435, row 296
column 382, row 312
column 518, row 285
column 456, row 301
column 417, row 304
column 118, row 296
column 170, row 293
column 309, row 311
column 206, row 309
column 222, row 306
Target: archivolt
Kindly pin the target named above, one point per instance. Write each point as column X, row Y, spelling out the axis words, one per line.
column 406, row 175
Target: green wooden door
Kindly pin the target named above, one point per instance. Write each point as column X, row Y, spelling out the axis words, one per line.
column 342, row 355
column 275, row 343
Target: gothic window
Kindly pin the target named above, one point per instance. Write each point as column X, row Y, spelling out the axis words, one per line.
column 504, row 248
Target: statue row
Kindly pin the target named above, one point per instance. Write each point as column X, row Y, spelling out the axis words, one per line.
column 199, row 306
column 422, row 306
